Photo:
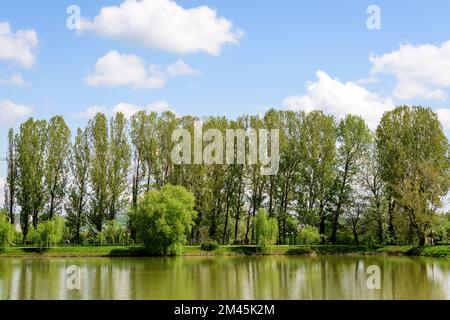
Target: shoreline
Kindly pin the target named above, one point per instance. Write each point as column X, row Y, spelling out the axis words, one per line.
column 195, row 251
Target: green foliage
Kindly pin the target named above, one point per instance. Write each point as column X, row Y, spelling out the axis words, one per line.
column 119, row 162
column 413, row 154
column 30, row 153
column 334, row 177
column 209, row 246
column 114, row 232
column 7, row 234
column 56, row 165
column 50, row 232
column 309, row 235
column 164, row 218
column 77, row 203
column 99, row 197
column 266, row 230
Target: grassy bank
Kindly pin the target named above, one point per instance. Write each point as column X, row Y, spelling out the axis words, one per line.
column 135, row 251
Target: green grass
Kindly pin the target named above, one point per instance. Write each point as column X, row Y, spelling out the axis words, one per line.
column 137, row 251
column 435, row 251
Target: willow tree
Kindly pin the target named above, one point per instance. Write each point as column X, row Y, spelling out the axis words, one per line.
column 413, row 153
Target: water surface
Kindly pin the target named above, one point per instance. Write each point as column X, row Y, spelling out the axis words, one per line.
column 273, row 277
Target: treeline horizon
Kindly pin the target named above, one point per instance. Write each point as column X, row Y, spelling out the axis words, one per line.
column 351, row 185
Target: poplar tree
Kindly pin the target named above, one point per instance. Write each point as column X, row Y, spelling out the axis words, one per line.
column 77, row 205
column 56, row 165
column 99, row 170
column 11, row 176
column 119, row 163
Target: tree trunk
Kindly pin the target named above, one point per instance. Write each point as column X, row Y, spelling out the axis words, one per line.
column 238, row 213
column 380, row 223
column 355, row 235
column 391, row 229
column 225, row 229
column 248, row 227
column 322, row 229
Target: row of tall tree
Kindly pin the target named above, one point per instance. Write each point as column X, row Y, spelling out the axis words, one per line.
column 350, row 183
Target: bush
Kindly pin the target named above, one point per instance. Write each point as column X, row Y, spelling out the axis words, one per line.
column 33, row 236
column 164, row 218
column 309, row 235
column 7, row 234
column 113, row 232
column 266, row 230
column 50, row 232
column 209, row 246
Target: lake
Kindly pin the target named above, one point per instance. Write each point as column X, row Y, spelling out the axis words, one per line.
column 243, row 277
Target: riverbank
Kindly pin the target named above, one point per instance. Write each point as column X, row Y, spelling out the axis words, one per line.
column 135, row 251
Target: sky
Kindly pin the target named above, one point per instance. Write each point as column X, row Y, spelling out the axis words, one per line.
column 225, row 57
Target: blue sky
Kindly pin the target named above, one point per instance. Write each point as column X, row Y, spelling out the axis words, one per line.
column 227, row 58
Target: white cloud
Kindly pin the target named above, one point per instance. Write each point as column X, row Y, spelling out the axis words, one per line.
column 444, row 117
column 91, row 112
column 369, row 80
column 180, row 68
column 116, row 69
column 128, row 109
column 339, row 98
column 17, row 46
column 11, row 112
column 15, row 80
column 163, row 24
column 421, row 71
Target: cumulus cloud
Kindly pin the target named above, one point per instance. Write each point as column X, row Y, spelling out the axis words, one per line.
column 17, row 46
column 116, row 69
column 11, row 112
column 91, row 112
column 128, row 109
column 339, row 98
column 163, row 24
column 369, row 80
column 421, row 71
column 180, row 68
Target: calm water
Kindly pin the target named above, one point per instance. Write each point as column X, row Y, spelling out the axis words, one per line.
column 225, row 278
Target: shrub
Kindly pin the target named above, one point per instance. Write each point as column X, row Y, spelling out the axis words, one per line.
column 266, row 230
column 164, row 217
column 113, row 232
column 32, row 236
column 6, row 230
column 309, row 235
column 209, row 246
column 50, row 232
